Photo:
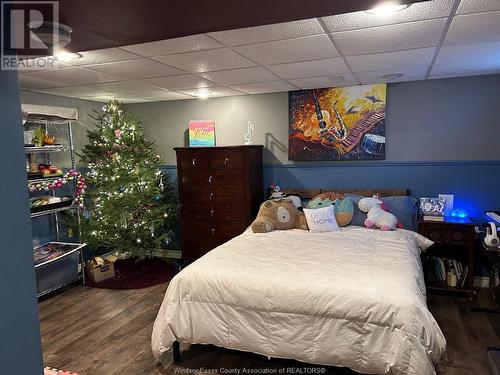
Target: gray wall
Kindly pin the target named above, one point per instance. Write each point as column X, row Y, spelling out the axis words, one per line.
column 20, row 351
column 166, row 122
column 447, row 119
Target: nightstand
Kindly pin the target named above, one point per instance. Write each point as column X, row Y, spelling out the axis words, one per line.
column 454, row 239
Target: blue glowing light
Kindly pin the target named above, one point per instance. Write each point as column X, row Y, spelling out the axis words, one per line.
column 460, row 213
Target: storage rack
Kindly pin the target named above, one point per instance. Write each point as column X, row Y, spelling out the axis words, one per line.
column 52, row 275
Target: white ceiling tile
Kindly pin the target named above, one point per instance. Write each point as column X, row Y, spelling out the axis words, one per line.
column 473, row 28
column 121, row 98
column 73, row 91
column 477, row 6
column 133, row 88
column 467, row 53
column 262, row 87
column 206, row 61
column 178, row 45
column 73, row 76
column 384, row 76
column 133, row 69
column 477, row 67
column 184, row 81
column 326, row 81
column 27, row 82
column 335, row 65
column 238, row 76
column 168, row 95
column 392, row 60
column 102, row 56
column 416, row 12
column 41, row 64
column 266, row 33
column 290, row 50
column 213, row 92
column 390, row 38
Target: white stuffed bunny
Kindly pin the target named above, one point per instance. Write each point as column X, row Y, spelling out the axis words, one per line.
column 376, row 216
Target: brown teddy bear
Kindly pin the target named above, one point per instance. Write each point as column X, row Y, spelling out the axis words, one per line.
column 278, row 214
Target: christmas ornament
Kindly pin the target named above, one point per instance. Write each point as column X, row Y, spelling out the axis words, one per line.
column 157, row 198
column 52, row 184
column 118, row 133
column 139, row 240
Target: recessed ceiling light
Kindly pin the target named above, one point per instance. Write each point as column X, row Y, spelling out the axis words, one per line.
column 67, row 56
column 387, row 8
column 202, row 94
column 391, row 77
column 337, row 79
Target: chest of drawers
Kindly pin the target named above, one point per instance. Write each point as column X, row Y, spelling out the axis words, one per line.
column 220, row 190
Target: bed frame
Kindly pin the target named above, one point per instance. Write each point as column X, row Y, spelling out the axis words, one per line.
column 311, row 193
column 308, row 194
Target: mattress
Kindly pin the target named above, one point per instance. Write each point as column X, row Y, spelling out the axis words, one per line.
column 353, row 298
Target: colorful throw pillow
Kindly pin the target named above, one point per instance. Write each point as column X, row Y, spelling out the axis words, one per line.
column 321, row 219
column 344, row 212
column 405, row 208
column 343, row 208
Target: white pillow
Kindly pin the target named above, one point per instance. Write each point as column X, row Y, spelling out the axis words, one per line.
column 321, row 219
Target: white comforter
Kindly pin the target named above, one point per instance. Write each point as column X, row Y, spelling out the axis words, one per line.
column 353, row 298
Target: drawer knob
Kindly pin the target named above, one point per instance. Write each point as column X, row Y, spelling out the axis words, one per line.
column 213, row 232
column 226, row 160
column 212, row 212
column 194, row 161
column 211, row 196
column 210, row 178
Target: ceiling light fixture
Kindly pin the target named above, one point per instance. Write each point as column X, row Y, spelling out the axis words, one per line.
column 387, row 8
column 67, row 56
column 392, row 77
column 202, row 94
column 51, row 35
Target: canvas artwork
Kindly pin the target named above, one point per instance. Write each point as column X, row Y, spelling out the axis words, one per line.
column 344, row 123
column 201, row 133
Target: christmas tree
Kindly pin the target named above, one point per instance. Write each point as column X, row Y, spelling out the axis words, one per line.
column 131, row 205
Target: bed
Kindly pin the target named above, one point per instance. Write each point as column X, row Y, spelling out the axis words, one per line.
column 353, row 298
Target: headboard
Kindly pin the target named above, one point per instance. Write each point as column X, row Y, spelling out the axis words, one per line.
column 311, row 193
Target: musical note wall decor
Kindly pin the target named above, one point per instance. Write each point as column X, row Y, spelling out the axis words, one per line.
column 249, row 133
column 343, row 123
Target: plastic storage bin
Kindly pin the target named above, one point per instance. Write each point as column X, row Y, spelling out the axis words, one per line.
column 63, row 269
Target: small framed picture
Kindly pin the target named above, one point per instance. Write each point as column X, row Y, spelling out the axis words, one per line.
column 201, row 133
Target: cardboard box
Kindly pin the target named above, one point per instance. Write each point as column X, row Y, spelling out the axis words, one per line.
column 100, row 269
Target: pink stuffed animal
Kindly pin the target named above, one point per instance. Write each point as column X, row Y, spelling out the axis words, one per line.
column 376, row 216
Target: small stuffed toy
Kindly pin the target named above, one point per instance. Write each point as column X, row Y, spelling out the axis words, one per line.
column 278, row 214
column 376, row 215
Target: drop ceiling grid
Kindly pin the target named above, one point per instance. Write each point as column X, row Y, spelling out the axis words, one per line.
column 363, row 65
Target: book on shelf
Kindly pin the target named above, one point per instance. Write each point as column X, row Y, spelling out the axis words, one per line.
column 432, row 218
column 437, row 270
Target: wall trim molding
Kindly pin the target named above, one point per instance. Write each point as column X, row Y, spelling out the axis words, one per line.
column 376, row 164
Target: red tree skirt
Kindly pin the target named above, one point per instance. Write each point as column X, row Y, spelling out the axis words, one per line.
column 137, row 274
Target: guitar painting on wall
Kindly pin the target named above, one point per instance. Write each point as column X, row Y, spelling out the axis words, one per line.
column 341, row 123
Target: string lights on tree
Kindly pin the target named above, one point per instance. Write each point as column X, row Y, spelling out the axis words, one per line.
column 131, row 205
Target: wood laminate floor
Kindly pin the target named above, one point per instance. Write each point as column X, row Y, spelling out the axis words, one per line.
column 107, row 332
